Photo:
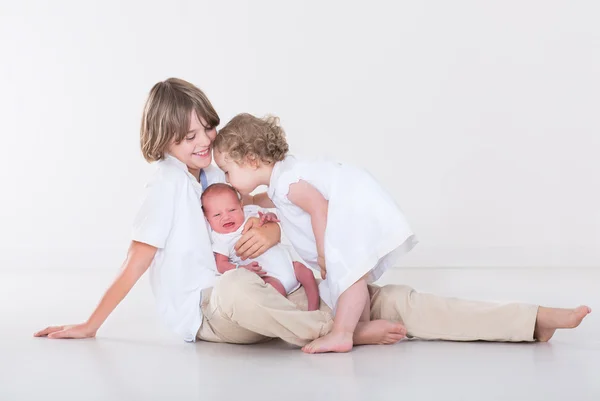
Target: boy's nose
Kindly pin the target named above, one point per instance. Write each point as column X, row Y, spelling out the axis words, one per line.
column 203, row 140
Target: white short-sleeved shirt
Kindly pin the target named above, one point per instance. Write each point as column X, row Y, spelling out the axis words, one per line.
column 366, row 230
column 277, row 261
column 171, row 219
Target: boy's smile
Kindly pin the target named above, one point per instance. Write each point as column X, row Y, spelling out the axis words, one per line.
column 195, row 148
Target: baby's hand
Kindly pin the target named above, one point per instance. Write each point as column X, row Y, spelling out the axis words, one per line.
column 321, row 262
column 255, row 268
column 267, row 217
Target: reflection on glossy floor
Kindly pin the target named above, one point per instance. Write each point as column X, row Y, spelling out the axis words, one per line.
column 135, row 357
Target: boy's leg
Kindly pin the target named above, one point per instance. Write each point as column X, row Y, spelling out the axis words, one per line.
column 550, row 319
column 276, row 284
column 351, row 306
column 241, row 299
column 216, row 329
column 432, row 317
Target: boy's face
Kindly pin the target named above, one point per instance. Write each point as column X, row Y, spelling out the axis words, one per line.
column 224, row 212
column 195, row 149
column 242, row 177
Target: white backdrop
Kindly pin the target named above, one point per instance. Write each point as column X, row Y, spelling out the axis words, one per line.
column 480, row 117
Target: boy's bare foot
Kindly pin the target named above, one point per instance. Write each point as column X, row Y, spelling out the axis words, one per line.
column 379, row 332
column 551, row 319
column 332, row 342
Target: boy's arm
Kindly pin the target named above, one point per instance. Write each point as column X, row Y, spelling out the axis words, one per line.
column 309, row 199
column 257, row 239
column 306, row 277
column 139, row 258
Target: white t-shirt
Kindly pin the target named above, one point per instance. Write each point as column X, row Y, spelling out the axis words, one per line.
column 171, row 219
column 366, row 231
column 276, row 261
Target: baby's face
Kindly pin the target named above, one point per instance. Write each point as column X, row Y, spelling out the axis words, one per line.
column 224, row 212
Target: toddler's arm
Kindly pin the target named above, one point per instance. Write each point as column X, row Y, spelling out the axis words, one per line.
column 262, row 199
column 138, row 260
column 308, row 198
column 306, row 277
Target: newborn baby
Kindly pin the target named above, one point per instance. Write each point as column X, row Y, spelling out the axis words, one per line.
column 226, row 216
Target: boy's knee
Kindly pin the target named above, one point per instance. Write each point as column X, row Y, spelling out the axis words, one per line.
column 395, row 291
column 388, row 302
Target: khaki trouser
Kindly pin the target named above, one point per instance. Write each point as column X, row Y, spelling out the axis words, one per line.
column 242, row 309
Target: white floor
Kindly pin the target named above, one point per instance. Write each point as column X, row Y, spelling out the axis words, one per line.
column 135, row 358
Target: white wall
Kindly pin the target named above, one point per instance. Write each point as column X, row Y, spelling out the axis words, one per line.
column 480, row 117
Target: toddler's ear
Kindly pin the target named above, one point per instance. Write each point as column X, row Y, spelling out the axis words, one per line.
column 252, row 161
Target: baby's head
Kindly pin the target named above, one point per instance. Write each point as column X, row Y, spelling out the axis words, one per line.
column 245, row 146
column 223, row 208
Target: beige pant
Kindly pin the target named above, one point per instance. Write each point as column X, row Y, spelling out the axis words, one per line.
column 242, row 309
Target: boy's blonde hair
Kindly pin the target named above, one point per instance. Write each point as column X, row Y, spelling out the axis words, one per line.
column 246, row 137
column 166, row 115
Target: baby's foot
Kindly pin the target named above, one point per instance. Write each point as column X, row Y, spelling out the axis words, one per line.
column 551, row 319
column 379, row 332
column 332, row 342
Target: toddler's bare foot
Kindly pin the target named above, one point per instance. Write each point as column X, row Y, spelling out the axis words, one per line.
column 551, row 319
column 379, row 332
column 332, row 342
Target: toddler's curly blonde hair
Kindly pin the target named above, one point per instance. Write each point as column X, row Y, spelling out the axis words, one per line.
column 249, row 138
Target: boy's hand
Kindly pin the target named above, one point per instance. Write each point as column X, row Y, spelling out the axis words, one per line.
column 250, row 224
column 321, row 262
column 71, row 331
column 255, row 268
column 267, row 217
column 257, row 239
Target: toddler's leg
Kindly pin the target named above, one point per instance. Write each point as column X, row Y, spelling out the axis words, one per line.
column 276, row 284
column 366, row 333
column 352, row 306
